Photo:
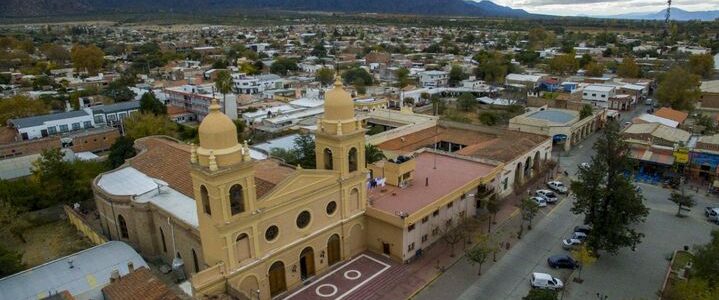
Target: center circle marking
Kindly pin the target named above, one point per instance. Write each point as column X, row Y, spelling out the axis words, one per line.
column 331, row 286
column 352, row 274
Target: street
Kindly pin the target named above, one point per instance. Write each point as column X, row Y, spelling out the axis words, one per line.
column 627, row 275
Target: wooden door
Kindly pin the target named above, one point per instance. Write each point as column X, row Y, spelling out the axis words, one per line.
column 333, row 250
column 277, row 279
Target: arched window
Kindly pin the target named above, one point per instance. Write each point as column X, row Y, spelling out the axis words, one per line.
column 205, row 200
column 352, row 159
column 242, row 247
column 194, row 261
column 162, row 236
column 328, row 159
column 237, row 199
column 123, row 227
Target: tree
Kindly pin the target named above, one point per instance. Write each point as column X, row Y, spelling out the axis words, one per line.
column 438, row 105
column 529, row 209
column 564, row 64
column 319, row 50
column 357, row 76
column 480, row 253
column 373, row 154
column 466, row 102
column 584, row 257
column 10, row 262
column 594, row 69
column 529, row 58
column 682, row 200
column 706, row 260
column 488, row 118
column 628, row 68
column 140, row 125
column 150, row 105
column 55, row 53
column 325, row 75
column 693, row 289
column 223, row 84
column 282, row 66
column 702, row 65
column 586, row 111
column 607, row 198
column 456, row 74
column 679, row 89
column 302, row 153
column 118, row 91
column 541, row 294
column 122, row 149
column 403, row 79
column 89, row 58
column 585, row 60
column 493, row 66
column 240, row 127
column 20, row 107
column 493, row 208
column 454, row 234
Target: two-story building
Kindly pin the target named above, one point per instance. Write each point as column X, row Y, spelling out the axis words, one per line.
column 598, row 94
column 433, row 78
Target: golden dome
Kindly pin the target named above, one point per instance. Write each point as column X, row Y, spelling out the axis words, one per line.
column 217, row 131
column 338, row 103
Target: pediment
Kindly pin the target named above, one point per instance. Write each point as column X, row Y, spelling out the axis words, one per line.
column 300, row 183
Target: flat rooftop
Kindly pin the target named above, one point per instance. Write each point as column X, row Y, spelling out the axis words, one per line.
column 554, row 116
column 451, row 173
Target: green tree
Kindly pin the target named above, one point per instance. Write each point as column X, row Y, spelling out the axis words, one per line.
column 682, row 200
column 585, row 60
column 438, row 105
column 325, row 75
column 282, row 66
column 564, row 64
column 88, row 58
column 140, row 125
column 679, row 89
column 118, row 91
column 607, row 198
column 493, row 66
column 702, row 65
column 480, row 253
column 488, row 118
column 150, row 105
column 493, row 207
column 541, row 294
column 55, row 53
column 302, row 153
column 628, row 68
column 529, row 58
column 319, row 50
column 357, row 76
column 706, row 260
column 529, row 209
column 122, row 149
column 456, row 74
column 223, row 83
column 594, row 69
column 693, row 289
column 373, row 154
column 403, row 79
column 20, row 107
column 10, row 262
column 466, row 102
column 586, row 111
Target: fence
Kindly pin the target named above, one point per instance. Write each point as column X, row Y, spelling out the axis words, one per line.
column 81, row 225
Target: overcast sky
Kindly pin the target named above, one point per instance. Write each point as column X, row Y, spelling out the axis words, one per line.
column 604, row 7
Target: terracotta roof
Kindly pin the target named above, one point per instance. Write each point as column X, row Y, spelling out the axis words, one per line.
column 165, row 159
column 674, row 115
column 505, row 147
column 141, row 284
column 174, row 110
column 268, row 174
column 429, row 136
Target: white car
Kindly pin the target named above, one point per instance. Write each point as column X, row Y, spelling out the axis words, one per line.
column 540, row 201
column 545, row 281
column 548, row 195
column 558, row 186
column 584, row 165
column 569, row 244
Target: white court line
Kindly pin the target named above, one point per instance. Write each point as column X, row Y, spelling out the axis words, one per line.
column 386, row 266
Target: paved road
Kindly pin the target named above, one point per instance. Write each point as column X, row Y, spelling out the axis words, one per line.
column 627, row 275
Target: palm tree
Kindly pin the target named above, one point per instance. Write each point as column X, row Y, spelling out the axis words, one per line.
column 373, row 154
column 223, row 83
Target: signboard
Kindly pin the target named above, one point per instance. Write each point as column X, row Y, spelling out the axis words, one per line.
column 681, row 155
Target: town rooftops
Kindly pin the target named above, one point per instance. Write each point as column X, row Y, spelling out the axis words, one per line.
column 649, row 118
column 674, row 115
column 711, row 86
column 555, row 116
column 600, row 88
column 450, row 174
column 115, row 107
column 657, row 130
column 140, row 284
column 523, row 77
column 83, row 274
column 40, row 120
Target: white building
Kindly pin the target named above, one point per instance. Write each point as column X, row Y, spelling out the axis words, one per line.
column 45, row 125
column 433, row 78
column 693, row 50
column 598, row 94
column 244, row 84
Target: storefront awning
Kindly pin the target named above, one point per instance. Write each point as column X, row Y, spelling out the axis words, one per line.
column 647, row 155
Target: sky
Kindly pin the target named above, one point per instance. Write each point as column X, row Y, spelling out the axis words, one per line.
column 604, row 7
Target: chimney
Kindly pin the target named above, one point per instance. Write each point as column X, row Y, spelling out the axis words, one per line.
column 114, row 276
column 130, row 267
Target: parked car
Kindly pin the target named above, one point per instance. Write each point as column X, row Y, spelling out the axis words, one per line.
column 584, row 165
column 579, row 236
column 539, row 200
column 586, row 229
column 712, row 213
column 558, row 187
column 569, row 244
column 545, row 281
column 562, row 261
column 548, row 195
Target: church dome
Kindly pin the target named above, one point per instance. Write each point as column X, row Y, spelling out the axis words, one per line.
column 217, row 131
column 338, row 104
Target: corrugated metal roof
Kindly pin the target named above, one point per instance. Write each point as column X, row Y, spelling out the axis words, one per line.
column 115, row 107
column 91, row 269
column 39, row 120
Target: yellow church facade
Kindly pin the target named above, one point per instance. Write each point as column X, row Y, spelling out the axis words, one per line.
column 260, row 237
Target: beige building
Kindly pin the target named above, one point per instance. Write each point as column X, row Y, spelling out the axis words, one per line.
column 561, row 124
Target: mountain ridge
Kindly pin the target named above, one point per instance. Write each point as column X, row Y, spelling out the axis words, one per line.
column 677, row 14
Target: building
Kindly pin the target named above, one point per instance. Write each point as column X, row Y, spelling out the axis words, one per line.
column 82, row 274
column 709, row 99
column 655, row 134
column 52, row 124
column 138, row 284
column 564, row 126
column 196, row 99
column 244, row 84
column 598, row 94
column 671, row 114
column 433, row 79
column 704, row 159
column 113, row 114
column 525, row 81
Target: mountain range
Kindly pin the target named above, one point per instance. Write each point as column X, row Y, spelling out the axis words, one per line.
column 677, row 14
column 39, row 8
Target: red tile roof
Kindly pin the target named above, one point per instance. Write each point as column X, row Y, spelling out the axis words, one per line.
column 141, row 284
column 671, row 114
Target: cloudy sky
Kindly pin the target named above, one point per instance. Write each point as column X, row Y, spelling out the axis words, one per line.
column 605, row 7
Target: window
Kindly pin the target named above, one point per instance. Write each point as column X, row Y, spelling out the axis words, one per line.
column 52, row 130
column 424, row 238
column 194, row 261
column 87, row 124
column 352, row 160
column 603, row 96
column 449, row 222
column 64, row 128
column 435, row 231
column 76, row 126
column 594, row 95
column 122, row 115
column 303, row 219
column 271, row 233
column 410, row 228
column 462, row 213
column 505, row 183
column 449, row 205
column 328, row 159
column 237, row 199
column 435, row 213
column 112, row 117
column 463, row 196
column 164, row 244
column 331, row 207
column 425, row 219
column 410, row 247
column 99, row 119
column 123, row 227
column 205, row 200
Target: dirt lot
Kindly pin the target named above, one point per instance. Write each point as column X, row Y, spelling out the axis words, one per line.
column 46, row 242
